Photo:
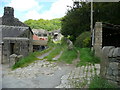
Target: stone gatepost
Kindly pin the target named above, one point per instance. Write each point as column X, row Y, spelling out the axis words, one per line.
column 12, row 60
column 97, row 45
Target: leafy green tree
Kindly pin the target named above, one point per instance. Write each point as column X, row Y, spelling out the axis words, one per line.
column 76, row 21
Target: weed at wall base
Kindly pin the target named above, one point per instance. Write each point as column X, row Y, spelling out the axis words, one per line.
column 87, row 57
column 98, row 82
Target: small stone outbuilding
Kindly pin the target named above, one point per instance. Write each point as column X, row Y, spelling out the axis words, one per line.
column 15, row 36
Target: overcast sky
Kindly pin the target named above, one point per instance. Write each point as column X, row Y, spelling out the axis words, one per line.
column 36, row 9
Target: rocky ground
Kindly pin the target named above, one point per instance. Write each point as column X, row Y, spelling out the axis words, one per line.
column 44, row 74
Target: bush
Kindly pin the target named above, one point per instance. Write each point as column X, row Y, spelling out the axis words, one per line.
column 64, row 41
column 49, row 39
column 83, row 40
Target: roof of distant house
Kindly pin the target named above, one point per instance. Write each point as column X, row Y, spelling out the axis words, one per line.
column 35, row 37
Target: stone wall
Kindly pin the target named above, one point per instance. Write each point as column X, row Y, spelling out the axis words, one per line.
column 110, row 64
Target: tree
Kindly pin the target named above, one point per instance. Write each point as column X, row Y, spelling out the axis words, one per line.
column 77, row 20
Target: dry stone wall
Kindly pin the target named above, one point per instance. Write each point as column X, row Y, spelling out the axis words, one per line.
column 110, row 64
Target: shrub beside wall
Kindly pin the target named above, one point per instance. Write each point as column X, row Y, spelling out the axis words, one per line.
column 83, row 40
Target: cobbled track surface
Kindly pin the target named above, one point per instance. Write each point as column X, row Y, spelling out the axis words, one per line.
column 44, row 74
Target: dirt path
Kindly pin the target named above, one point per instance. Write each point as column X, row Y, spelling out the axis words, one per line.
column 58, row 56
column 45, row 54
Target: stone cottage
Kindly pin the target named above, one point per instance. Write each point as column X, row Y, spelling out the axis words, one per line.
column 15, row 36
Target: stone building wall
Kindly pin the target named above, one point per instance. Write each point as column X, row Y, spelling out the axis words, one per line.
column 110, row 64
column 29, row 35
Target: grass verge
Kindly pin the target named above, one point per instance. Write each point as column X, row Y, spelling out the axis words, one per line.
column 87, row 56
column 68, row 56
column 98, row 82
column 29, row 59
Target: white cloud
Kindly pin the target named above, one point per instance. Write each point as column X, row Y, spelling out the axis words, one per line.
column 57, row 10
column 24, row 5
column 32, row 15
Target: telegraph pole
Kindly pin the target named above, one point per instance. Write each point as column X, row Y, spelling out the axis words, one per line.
column 91, row 15
column 91, row 25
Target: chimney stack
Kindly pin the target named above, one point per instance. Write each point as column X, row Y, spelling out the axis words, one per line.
column 8, row 12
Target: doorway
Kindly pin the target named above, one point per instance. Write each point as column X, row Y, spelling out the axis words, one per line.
column 12, row 48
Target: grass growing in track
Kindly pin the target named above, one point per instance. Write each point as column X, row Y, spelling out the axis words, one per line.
column 29, row 59
column 55, row 52
column 87, row 56
column 98, row 82
column 68, row 56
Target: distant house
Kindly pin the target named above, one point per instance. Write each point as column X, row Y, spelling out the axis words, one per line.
column 56, row 36
column 15, row 36
column 40, row 39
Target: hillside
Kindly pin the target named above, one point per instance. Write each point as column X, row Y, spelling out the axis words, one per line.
column 49, row 25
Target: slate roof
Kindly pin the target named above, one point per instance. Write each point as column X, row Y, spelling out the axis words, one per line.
column 12, row 31
column 36, row 31
column 35, row 37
